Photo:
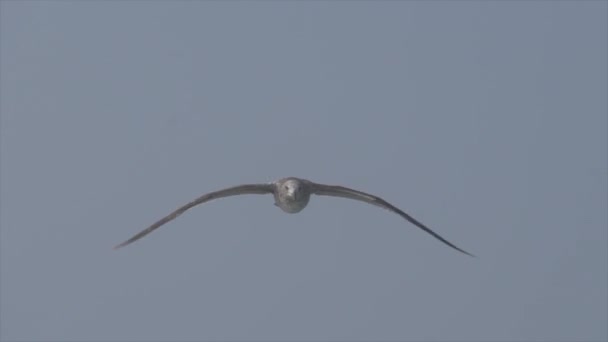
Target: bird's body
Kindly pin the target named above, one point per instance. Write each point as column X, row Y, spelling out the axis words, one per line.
column 291, row 195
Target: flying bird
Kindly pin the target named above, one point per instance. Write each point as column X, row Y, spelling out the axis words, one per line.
column 291, row 195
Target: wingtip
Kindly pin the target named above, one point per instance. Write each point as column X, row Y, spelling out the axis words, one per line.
column 117, row 246
column 471, row 255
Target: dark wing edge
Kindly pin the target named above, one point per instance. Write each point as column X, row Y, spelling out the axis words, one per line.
column 344, row 192
column 232, row 191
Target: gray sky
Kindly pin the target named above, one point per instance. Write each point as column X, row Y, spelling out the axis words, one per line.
column 485, row 120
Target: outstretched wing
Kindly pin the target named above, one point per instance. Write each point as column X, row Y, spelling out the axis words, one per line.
column 340, row 191
column 233, row 191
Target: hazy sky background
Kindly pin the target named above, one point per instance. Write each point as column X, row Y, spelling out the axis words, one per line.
column 485, row 120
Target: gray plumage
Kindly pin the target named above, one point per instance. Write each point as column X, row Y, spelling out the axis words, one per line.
column 291, row 195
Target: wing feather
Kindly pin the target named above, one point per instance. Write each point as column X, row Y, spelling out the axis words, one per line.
column 232, row 191
column 340, row 191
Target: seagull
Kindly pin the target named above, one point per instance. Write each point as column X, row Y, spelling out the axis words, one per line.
column 291, row 195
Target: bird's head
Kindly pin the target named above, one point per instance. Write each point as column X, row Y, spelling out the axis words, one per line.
column 292, row 194
column 292, row 189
